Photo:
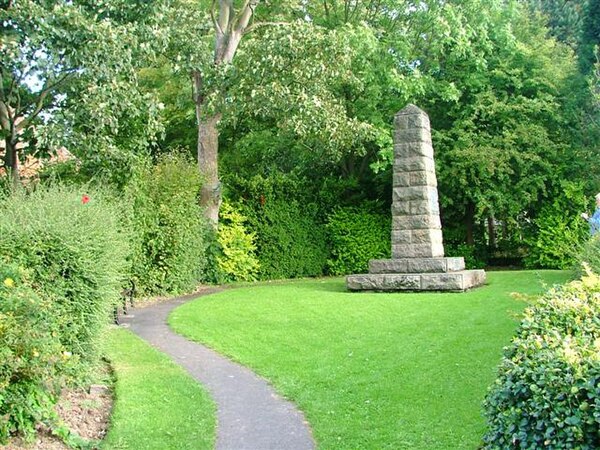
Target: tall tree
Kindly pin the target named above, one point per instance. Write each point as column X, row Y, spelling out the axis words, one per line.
column 67, row 73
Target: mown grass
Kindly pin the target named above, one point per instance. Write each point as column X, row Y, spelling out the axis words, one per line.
column 371, row 370
column 158, row 405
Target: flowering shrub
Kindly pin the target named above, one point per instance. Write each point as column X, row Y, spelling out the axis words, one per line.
column 547, row 394
column 33, row 362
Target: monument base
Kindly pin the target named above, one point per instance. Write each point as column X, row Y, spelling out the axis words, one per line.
column 445, row 281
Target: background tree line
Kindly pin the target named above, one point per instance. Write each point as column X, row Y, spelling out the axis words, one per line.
column 288, row 107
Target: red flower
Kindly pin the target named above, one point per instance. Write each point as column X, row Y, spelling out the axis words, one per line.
column 85, row 199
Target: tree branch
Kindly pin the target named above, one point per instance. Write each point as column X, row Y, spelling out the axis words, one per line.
column 213, row 17
column 39, row 103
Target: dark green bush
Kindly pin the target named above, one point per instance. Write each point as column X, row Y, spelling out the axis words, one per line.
column 33, row 362
column 357, row 234
column 547, row 394
column 171, row 233
column 75, row 249
column 289, row 239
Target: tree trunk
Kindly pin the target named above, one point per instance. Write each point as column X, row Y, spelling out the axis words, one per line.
column 470, row 223
column 11, row 161
column 491, row 232
column 208, row 147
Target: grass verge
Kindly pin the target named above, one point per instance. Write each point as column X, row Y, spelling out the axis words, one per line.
column 371, row 370
column 158, row 405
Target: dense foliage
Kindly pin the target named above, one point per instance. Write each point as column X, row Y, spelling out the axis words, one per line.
column 357, row 234
column 62, row 265
column 290, row 240
column 170, row 232
column 546, row 394
column 236, row 259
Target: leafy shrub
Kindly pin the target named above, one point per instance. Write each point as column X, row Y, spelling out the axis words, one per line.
column 236, row 258
column 471, row 254
column 75, row 250
column 289, row 239
column 357, row 234
column 32, row 359
column 170, row 251
column 559, row 231
column 547, row 394
column 589, row 256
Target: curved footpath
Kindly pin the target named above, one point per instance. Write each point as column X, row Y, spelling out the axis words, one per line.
column 250, row 414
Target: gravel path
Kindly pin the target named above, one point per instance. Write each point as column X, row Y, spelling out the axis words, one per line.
column 250, row 414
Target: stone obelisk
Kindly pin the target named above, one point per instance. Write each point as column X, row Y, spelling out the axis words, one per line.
column 418, row 262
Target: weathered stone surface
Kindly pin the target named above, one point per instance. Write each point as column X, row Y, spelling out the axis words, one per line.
column 416, row 265
column 383, row 282
column 412, row 149
column 455, row 281
column 413, row 163
column 415, row 135
column 401, row 194
column 419, row 222
column 434, row 250
column 426, row 236
column 422, row 178
column 411, row 117
column 401, row 179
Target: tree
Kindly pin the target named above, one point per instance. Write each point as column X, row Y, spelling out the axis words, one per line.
column 68, row 78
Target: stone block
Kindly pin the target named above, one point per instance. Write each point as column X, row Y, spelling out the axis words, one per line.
column 400, row 208
column 388, row 266
column 413, row 164
column 411, row 120
column 416, row 265
column 421, row 135
column 425, row 237
column 383, row 282
column 411, row 149
column 417, row 250
column 422, row 178
column 419, row 222
column 402, row 179
column 421, row 207
column 401, row 236
column 458, row 281
column 402, row 194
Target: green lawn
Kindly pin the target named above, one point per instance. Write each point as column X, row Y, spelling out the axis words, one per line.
column 371, row 370
column 158, row 405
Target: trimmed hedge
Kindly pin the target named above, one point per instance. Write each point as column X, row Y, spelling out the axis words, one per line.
column 547, row 394
column 290, row 240
column 357, row 234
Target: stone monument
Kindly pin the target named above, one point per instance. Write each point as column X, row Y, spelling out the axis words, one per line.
column 418, row 262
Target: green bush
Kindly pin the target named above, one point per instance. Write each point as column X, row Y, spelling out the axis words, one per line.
column 33, row 362
column 171, row 233
column 547, row 394
column 559, row 231
column 357, row 234
column 236, row 259
column 289, row 239
column 469, row 252
column 75, row 249
column 589, row 255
